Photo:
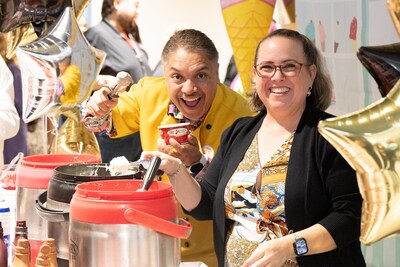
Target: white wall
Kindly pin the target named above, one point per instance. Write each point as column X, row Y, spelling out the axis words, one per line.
column 158, row 18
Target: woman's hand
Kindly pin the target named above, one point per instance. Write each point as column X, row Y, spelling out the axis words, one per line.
column 272, row 253
column 169, row 165
column 186, row 188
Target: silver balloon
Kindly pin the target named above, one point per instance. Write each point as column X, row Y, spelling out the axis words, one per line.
column 58, row 68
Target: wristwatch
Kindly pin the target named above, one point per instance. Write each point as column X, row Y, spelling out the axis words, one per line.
column 196, row 167
column 300, row 245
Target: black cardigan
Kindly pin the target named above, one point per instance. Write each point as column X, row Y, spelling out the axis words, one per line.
column 321, row 188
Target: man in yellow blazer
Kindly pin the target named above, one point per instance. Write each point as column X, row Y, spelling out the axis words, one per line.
column 190, row 91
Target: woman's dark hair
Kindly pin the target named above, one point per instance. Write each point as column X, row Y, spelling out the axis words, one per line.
column 191, row 40
column 321, row 93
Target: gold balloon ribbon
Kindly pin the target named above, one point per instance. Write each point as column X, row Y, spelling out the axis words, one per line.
column 370, row 141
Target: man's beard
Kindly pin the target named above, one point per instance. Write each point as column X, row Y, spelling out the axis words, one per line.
column 128, row 23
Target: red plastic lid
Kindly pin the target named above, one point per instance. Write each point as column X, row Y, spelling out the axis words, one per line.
column 35, row 171
column 105, row 202
column 51, row 161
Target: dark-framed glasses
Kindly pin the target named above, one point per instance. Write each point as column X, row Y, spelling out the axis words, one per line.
column 268, row 70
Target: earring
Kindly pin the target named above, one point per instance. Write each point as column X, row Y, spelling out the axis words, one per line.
column 309, row 91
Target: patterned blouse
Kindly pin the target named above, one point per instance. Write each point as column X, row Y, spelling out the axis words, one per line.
column 255, row 202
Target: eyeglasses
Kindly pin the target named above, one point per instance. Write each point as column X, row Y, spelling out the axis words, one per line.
column 267, row 70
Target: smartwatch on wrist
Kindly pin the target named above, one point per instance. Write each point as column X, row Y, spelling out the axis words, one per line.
column 196, row 167
column 300, row 245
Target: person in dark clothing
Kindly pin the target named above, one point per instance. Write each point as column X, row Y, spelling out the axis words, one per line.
column 303, row 202
column 118, row 35
column 231, row 72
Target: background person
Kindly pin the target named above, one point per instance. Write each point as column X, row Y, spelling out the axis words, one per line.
column 275, row 182
column 190, row 91
column 9, row 118
column 231, row 72
column 118, row 35
column 18, row 143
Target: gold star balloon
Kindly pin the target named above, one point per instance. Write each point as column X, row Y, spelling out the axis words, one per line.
column 370, row 141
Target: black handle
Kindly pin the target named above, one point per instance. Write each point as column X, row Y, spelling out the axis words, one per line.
column 151, row 173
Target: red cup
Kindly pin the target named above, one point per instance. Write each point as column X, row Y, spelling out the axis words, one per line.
column 178, row 131
column 8, row 177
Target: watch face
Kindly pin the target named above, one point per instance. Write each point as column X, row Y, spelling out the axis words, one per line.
column 300, row 246
column 196, row 168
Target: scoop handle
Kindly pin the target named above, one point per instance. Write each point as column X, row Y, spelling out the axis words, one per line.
column 151, row 173
column 124, row 82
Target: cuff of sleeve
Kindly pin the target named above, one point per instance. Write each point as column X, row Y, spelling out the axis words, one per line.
column 98, row 125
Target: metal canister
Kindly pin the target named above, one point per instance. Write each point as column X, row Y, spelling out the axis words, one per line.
column 114, row 224
column 32, row 178
column 53, row 205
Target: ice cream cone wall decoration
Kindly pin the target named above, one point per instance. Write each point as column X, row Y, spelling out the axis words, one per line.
column 247, row 22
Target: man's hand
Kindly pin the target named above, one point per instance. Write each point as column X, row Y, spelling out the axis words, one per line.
column 187, row 153
column 99, row 104
column 106, row 92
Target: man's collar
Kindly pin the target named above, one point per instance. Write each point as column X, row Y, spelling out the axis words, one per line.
column 174, row 112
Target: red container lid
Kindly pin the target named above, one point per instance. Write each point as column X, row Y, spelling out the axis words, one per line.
column 35, row 171
column 51, row 161
column 106, row 202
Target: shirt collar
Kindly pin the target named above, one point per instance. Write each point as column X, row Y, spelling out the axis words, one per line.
column 174, row 112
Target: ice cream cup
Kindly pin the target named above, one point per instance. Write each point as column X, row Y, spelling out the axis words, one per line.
column 178, row 131
column 8, row 177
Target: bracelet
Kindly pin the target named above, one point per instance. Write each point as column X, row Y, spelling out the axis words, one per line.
column 290, row 263
column 172, row 175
